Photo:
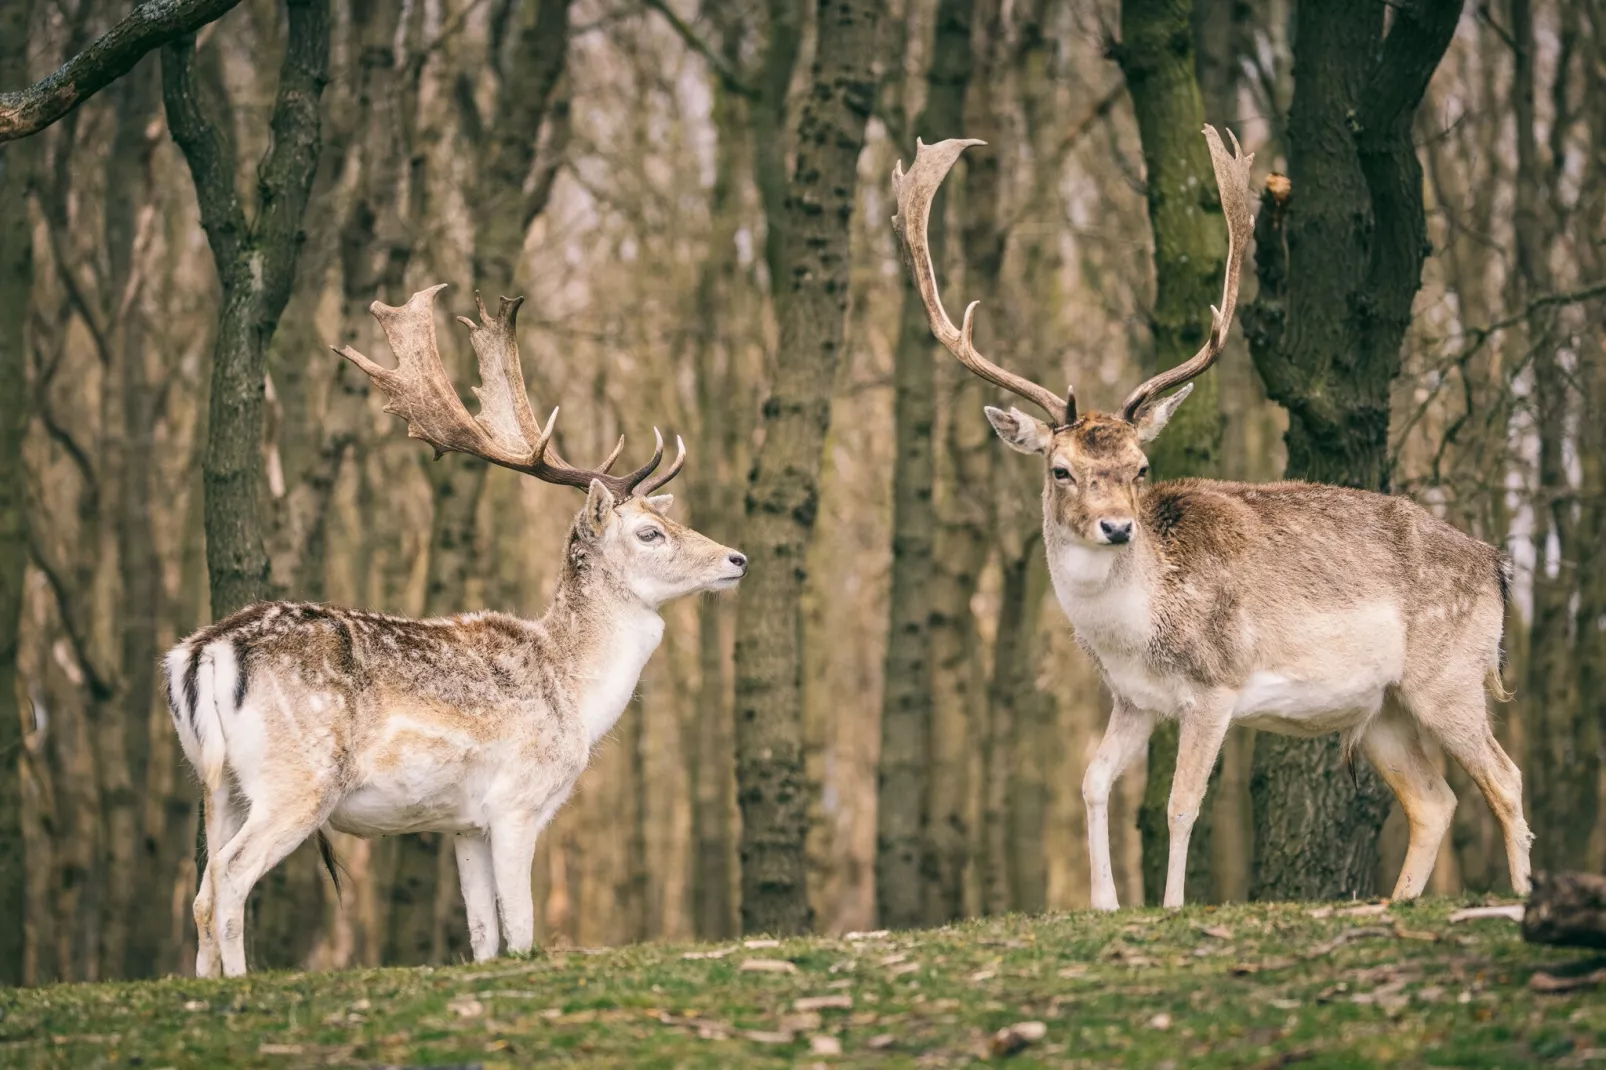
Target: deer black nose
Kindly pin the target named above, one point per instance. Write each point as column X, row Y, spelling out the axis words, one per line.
column 1116, row 531
column 739, row 560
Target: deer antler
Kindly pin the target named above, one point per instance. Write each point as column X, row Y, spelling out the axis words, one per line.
column 914, row 191
column 506, row 431
column 1232, row 179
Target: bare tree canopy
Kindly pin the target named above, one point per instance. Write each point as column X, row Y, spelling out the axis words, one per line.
column 149, row 26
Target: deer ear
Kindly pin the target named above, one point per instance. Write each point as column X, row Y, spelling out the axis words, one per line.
column 599, row 507
column 1020, row 432
column 661, row 503
column 1153, row 417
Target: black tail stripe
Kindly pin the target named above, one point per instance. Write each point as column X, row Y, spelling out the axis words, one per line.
column 240, row 653
column 192, row 686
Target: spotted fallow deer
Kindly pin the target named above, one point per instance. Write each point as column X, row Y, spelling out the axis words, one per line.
column 298, row 716
column 1292, row 607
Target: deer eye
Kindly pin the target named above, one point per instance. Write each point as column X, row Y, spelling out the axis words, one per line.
column 1063, row 474
column 1143, row 472
column 649, row 534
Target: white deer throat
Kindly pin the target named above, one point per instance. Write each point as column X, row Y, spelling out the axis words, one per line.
column 1104, row 596
column 606, row 679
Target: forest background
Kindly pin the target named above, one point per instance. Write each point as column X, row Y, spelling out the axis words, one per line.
column 888, row 724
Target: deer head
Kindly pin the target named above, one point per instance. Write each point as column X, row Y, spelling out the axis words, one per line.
column 622, row 532
column 1093, row 464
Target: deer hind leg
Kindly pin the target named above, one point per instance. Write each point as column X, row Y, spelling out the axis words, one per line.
column 269, row 834
column 1500, row 781
column 224, row 816
column 1198, row 746
column 1393, row 744
column 1124, row 739
column 477, row 877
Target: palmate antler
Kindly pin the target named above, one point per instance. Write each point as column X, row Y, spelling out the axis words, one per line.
column 506, row 431
column 914, row 191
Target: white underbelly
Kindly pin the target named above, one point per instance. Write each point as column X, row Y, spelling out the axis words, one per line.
column 1307, row 707
column 394, row 805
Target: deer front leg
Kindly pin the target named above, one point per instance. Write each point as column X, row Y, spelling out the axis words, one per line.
column 1124, row 739
column 1203, row 729
column 513, row 839
column 477, row 877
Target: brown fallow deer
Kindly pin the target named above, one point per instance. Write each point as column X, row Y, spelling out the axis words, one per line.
column 1291, row 607
column 298, row 717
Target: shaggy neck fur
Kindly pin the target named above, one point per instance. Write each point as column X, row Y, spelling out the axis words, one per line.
column 603, row 634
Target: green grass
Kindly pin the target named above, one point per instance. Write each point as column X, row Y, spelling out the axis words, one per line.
column 1240, row 986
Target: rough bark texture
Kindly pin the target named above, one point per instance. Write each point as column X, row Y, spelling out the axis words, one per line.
column 905, row 860
column 964, row 514
column 16, row 281
column 1340, row 260
column 149, row 26
column 783, row 488
column 256, row 265
column 1567, row 909
column 1190, row 251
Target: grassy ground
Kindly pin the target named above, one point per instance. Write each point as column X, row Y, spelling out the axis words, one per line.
column 1241, row 986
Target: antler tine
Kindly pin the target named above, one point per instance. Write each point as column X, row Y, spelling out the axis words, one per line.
column 652, row 484
column 914, row 191
column 608, row 462
column 1237, row 205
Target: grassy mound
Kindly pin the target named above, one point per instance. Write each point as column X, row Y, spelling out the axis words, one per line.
column 1240, row 986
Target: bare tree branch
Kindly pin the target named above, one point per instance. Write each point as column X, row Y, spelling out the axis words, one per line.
column 728, row 76
column 112, row 55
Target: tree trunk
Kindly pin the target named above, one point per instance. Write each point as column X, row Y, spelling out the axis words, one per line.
column 1190, row 252
column 16, row 285
column 256, row 266
column 783, row 488
column 1326, row 332
column 905, row 856
column 1030, row 713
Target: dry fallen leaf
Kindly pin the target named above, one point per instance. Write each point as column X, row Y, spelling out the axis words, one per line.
column 903, row 968
column 1014, row 1038
column 1403, row 933
column 1160, row 1021
column 800, row 1022
column 466, row 1008
column 1220, row 932
column 874, row 934
column 760, row 1036
column 1509, row 913
column 823, row 1003
column 767, row 966
column 881, row 1042
column 279, row 1049
column 761, row 943
column 820, row 1044
column 195, row 1005
column 717, row 954
column 1544, row 982
column 983, row 975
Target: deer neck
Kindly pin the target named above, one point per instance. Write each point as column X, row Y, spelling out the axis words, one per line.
column 605, row 635
column 1105, row 591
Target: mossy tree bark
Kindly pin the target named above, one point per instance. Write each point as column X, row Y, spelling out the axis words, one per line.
column 1339, row 260
column 905, row 855
column 811, row 292
column 16, row 284
column 1190, row 251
